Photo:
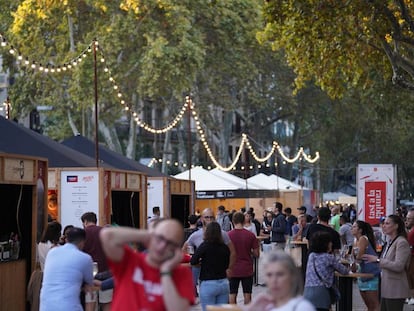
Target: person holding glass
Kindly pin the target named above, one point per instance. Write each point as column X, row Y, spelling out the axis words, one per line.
column 393, row 262
column 320, row 270
column 365, row 244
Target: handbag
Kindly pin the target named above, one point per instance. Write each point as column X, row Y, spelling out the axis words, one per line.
column 334, row 293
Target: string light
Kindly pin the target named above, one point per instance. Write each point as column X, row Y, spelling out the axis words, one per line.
column 36, row 65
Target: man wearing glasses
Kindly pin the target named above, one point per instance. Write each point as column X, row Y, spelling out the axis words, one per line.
column 195, row 240
column 152, row 281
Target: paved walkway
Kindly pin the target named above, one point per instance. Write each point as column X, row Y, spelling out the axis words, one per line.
column 357, row 302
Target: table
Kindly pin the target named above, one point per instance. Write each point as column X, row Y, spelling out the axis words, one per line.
column 225, row 307
column 304, row 253
column 345, row 287
column 260, row 238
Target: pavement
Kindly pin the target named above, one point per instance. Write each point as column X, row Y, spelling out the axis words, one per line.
column 357, row 302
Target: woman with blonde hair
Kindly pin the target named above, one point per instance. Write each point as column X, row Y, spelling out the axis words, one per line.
column 284, row 286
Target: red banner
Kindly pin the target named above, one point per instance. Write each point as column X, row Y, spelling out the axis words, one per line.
column 375, row 201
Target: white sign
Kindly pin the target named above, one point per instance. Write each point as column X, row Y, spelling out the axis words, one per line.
column 79, row 194
column 155, row 192
column 376, row 191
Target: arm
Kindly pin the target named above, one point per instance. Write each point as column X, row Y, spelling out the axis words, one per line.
column 232, row 258
column 113, row 240
column 279, row 225
column 172, row 298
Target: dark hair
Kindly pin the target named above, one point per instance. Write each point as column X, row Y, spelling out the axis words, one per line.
column 288, row 210
column 319, row 242
column 213, row 233
column 155, row 209
column 192, row 219
column 279, row 206
column 324, row 214
column 401, row 226
column 52, row 233
column 76, row 235
column 89, row 217
column 344, row 217
column 221, row 208
column 366, row 229
column 238, row 218
column 67, row 228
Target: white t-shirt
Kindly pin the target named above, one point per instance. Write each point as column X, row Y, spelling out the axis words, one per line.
column 296, row 304
column 251, row 228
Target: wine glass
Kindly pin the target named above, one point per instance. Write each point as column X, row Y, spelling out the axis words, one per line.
column 95, row 268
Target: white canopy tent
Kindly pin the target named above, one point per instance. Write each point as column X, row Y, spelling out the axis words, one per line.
column 272, row 182
column 333, row 196
column 205, row 180
column 244, row 184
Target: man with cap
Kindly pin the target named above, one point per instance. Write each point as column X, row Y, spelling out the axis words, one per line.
column 302, row 210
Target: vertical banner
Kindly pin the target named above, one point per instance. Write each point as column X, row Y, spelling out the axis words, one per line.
column 376, row 191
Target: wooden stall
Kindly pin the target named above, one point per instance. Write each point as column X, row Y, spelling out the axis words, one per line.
column 22, row 221
column 116, row 196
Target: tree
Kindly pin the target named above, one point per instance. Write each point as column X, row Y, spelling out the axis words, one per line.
column 339, row 43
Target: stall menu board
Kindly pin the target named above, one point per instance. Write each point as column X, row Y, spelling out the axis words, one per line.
column 376, row 191
column 79, row 194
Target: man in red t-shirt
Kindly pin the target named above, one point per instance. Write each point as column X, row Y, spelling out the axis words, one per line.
column 246, row 246
column 153, row 281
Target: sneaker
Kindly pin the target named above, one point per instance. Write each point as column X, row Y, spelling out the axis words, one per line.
column 410, row 301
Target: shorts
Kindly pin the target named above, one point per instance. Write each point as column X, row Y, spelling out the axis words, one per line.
column 247, row 284
column 370, row 285
column 105, row 296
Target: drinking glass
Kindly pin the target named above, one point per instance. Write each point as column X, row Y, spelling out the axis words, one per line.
column 95, row 268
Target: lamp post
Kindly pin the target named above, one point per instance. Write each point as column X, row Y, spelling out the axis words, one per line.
column 95, row 46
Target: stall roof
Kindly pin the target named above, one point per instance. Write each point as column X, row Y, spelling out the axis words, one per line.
column 333, row 196
column 206, row 181
column 15, row 138
column 117, row 160
column 272, row 182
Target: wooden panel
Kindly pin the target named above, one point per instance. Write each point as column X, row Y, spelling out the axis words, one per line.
column 13, row 285
column 51, row 179
column 185, row 187
column 118, row 180
column 19, row 170
column 175, row 186
column 134, row 182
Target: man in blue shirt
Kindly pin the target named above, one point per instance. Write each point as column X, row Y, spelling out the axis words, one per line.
column 67, row 269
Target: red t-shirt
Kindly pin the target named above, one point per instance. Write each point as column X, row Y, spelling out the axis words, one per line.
column 138, row 285
column 410, row 239
column 244, row 241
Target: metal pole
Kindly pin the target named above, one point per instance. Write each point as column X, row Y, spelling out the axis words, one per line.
column 189, row 137
column 96, row 103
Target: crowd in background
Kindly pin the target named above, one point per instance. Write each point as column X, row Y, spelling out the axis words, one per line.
column 85, row 267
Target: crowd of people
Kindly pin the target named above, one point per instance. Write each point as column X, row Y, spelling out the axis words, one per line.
column 120, row 268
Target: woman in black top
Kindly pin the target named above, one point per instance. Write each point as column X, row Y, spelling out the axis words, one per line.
column 214, row 257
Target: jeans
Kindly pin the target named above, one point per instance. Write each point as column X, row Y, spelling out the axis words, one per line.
column 196, row 274
column 214, row 292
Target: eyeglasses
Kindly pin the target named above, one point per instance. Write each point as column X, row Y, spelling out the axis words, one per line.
column 208, row 217
column 161, row 239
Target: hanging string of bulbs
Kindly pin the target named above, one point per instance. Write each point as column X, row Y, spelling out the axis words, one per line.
column 188, row 104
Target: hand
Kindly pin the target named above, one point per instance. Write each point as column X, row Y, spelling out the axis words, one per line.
column 97, row 283
column 369, row 258
column 228, row 273
column 170, row 263
column 263, row 301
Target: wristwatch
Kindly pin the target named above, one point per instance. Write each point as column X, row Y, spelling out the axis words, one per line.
column 378, row 260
